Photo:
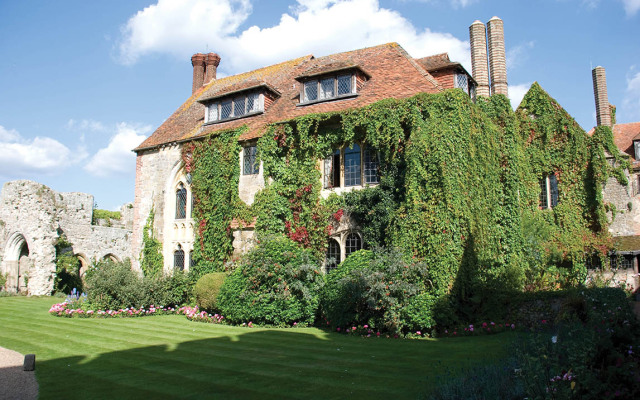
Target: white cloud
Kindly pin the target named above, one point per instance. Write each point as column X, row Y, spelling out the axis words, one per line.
column 86, row 125
column 517, row 92
column 20, row 157
column 117, row 158
column 319, row 27
column 517, row 55
column 631, row 7
column 631, row 102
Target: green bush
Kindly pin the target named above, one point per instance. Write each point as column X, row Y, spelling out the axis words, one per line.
column 67, row 267
column 3, row 281
column 381, row 289
column 275, row 283
column 113, row 285
column 207, row 289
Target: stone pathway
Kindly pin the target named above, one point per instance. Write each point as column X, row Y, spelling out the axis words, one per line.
column 15, row 383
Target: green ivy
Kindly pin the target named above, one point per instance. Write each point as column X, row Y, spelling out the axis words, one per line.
column 151, row 257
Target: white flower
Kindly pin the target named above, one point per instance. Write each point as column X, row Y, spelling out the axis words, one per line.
column 554, row 339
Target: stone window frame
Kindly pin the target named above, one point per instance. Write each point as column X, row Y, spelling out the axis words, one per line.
column 254, row 168
column 341, row 239
column 338, row 158
column 179, row 258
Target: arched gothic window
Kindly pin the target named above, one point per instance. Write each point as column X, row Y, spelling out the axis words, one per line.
column 333, row 254
column 353, row 243
column 178, row 259
column 181, row 202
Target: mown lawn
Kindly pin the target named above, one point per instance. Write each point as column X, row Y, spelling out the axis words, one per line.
column 170, row 357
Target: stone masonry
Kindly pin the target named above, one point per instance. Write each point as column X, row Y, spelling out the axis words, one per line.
column 33, row 217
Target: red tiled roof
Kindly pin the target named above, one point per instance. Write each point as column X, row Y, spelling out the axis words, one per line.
column 393, row 74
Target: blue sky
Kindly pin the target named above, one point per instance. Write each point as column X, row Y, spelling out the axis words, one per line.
column 83, row 82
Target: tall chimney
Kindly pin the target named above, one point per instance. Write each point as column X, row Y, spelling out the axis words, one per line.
column 479, row 62
column 197, row 60
column 211, row 66
column 497, row 57
column 603, row 110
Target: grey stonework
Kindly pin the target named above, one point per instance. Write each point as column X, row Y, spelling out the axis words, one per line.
column 33, row 217
column 624, row 204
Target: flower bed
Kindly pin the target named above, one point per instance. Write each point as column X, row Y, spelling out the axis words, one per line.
column 65, row 309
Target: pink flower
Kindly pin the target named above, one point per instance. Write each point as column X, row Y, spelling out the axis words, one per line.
column 338, row 329
column 353, row 328
column 513, row 326
column 418, row 333
column 295, row 323
column 366, row 326
column 377, row 333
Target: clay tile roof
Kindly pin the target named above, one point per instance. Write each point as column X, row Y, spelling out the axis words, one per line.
column 623, row 137
column 236, row 88
column 392, row 73
column 438, row 61
column 328, row 68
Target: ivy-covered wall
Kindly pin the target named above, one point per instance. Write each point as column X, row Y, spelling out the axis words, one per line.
column 459, row 188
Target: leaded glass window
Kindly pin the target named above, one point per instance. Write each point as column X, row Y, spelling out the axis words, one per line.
column 310, row 90
column 178, row 259
column 238, row 106
column 181, row 202
column 213, row 112
column 353, row 243
column 327, row 88
column 543, row 193
column 225, row 109
column 462, row 82
column 371, row 165
column 553, row 187
column 333, row 254
column 251, row 165
column 352, row 165
column 344, row 84
column 253, row 102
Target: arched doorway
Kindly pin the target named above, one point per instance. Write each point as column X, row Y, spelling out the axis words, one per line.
column 17, row 264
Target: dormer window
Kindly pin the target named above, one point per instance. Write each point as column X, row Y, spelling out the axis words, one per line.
column 328, row 88
column 232, row 107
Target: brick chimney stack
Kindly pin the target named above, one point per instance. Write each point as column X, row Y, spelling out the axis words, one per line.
column 603, row 109
column 497, row 56
column 197, row 60
column 211, row 67
column 479, row 62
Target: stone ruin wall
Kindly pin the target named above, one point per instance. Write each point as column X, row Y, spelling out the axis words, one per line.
column 32, row 218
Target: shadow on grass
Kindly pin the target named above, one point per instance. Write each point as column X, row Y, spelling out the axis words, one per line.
column 264, row 364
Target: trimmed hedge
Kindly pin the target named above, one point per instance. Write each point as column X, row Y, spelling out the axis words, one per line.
column 207, row 289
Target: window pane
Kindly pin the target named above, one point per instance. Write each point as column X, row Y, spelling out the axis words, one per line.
column 543, row 193
column 181, row 202
column 353, row 244
column 213, row 112
column 225, row 109
column 462, row 83
column 178, row 259
column 333, row 255
column 238, row 106
column 553, row 184
column 371, row 165
column 344, row 84
column 326, row 88
column 251, row 165
column 310, row 90
column 253, row 102
column 352, row 166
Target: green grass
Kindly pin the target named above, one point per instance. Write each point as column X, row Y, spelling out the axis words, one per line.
column 170, row 357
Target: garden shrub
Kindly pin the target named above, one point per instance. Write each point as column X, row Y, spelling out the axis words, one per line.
column 207, row 289
column 113, row 285
column 591, row 354
column 3, row 281
column 276, row 283
column 381, row 289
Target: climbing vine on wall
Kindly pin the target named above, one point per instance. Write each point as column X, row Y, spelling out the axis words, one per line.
column 459, row 187
column 151, row 258
column 214, row 165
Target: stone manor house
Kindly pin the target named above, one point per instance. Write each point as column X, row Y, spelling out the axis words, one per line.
column 280, row 92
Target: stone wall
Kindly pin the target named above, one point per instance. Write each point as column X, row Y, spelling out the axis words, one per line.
column 625, row 205
column 33, row 217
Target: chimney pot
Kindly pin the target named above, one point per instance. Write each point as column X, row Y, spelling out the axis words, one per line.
column 497, row 57
column 197, row 61
column 603, row 108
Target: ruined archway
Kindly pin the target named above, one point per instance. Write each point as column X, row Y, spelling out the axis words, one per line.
column 111, row 256
column 84, row 264
column 16, row 263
